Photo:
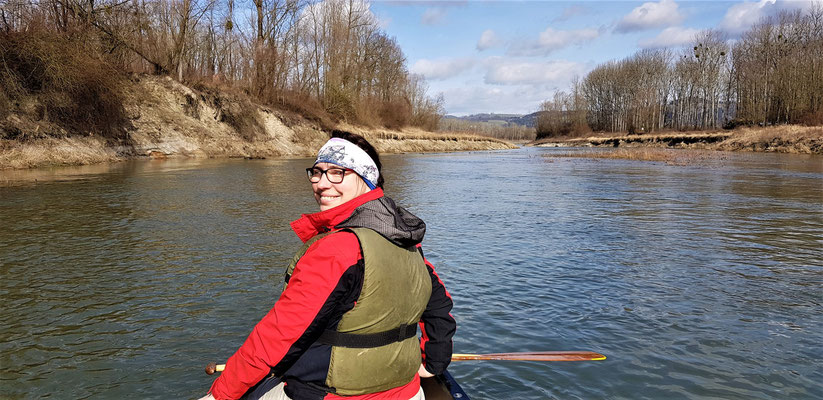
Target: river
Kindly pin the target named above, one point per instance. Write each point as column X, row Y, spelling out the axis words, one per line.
column 696, row 281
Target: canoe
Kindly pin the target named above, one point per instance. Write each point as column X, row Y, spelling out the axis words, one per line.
column 442, row 387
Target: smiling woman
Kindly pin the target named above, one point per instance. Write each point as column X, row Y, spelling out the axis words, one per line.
column 356, row 293
column 335, row 189
column 350, row 170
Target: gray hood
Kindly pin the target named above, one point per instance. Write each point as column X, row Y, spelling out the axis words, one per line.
column 386, row 218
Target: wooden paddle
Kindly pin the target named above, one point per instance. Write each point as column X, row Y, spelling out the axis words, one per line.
column 534, row 356
column 528, row 356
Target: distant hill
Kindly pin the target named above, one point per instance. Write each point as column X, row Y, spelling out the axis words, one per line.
column 528, row 120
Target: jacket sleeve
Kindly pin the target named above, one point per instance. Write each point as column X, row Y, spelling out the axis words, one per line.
column 298, row 317
column 437, row 325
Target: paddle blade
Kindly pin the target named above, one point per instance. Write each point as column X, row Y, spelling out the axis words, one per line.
column 534, row 356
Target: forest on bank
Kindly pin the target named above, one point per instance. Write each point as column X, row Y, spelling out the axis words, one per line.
column 68, row 61
column 497, row 128
column 327, row 60
column 773, row 74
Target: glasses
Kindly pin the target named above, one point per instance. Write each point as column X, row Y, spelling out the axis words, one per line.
column 334, row 175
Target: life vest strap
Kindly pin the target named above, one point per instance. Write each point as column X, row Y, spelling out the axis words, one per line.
column 368, row 340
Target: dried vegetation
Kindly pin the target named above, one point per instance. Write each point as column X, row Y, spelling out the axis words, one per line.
column 418, row 140
column 781, row 139
column 667, row 156
column 54, row 87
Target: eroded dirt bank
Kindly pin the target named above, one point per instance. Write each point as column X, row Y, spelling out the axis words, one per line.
column 782, row 139
column 168, row 119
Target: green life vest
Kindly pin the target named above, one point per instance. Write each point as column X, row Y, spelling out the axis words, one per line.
column 396, row 290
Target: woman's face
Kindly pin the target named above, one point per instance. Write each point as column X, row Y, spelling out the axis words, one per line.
column 329, row 195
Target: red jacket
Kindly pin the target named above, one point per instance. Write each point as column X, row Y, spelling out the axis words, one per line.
column 325, row 284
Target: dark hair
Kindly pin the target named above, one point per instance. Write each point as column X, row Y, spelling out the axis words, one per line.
column 364, row 144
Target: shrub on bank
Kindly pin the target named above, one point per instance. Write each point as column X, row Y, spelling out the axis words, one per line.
column 812, row 118
column 60, row 79
column 737, row 123
column 305, row 106
column 235, row 108
column 395, row 114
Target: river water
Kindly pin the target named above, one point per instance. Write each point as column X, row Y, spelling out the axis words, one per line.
column 697, row 281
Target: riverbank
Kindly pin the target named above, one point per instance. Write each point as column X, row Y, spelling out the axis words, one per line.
column 781, row 139
column 166, row 119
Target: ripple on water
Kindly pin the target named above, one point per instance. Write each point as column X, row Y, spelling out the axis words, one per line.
column 696, row 283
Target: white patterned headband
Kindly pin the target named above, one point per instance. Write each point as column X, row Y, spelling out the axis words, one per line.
column 346, row 154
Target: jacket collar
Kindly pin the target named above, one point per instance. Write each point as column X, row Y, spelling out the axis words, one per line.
column 309, row 225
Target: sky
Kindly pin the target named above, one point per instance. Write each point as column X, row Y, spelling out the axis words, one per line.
column 509, row 56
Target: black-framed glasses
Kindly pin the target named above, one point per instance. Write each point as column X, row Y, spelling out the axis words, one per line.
column 334, row 174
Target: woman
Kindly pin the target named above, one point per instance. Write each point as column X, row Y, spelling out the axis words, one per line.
column 346, row 323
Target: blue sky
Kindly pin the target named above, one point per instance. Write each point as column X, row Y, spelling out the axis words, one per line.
column 509, row 56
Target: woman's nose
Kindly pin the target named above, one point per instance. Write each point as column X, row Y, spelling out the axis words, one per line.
column 323, row 182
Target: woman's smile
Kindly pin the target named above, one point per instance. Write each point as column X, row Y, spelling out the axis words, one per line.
column 328, row 200
column 329, row 195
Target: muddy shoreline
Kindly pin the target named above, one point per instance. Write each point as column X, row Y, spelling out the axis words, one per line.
column 72, row 151
column 793, row 139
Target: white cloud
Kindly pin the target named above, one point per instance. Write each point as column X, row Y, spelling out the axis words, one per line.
column 571, row 11
column 670, row 37
column 509, row 86
column 507, row 72
column 433, row 16
column 504, row 100
column 442, row 69
column 488, row 40
column 384, row 22
column 521, row 99
column 742, row 16
column 551, row 40
column 650, row 15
